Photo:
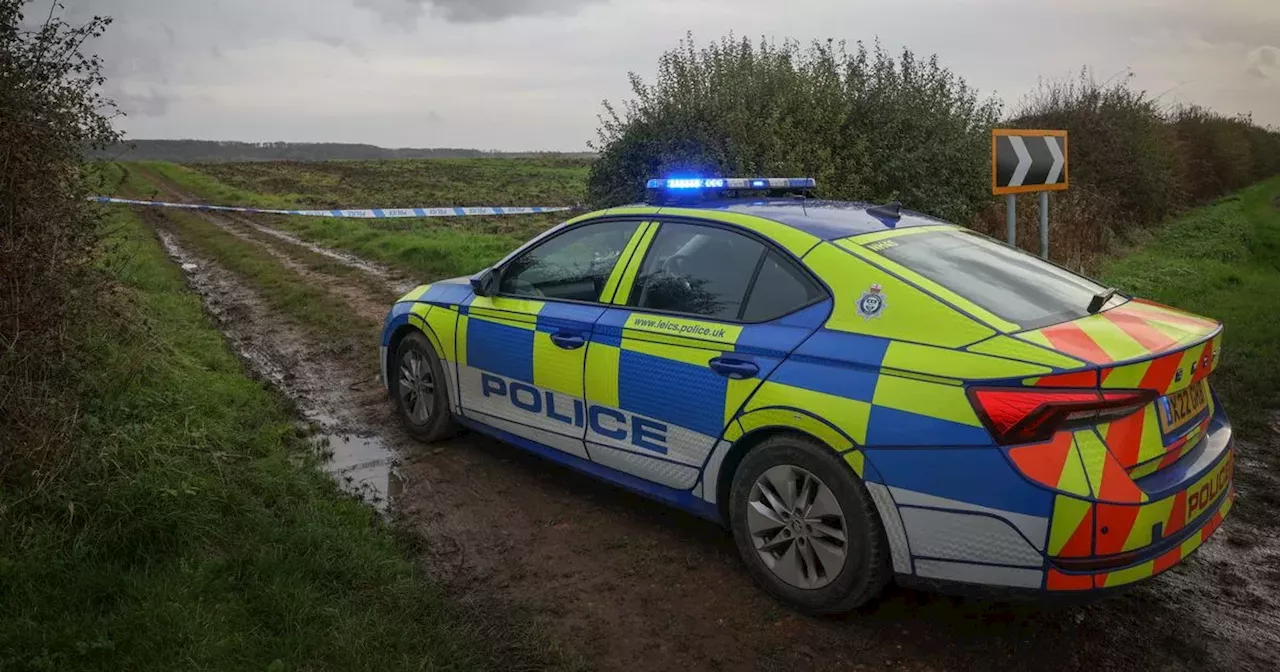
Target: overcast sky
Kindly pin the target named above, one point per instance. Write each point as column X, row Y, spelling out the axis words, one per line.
column 530, row 74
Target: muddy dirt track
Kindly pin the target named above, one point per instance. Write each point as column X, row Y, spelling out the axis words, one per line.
column 629, row 584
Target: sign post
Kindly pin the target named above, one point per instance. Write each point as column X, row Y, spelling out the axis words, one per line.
column 1023, row 161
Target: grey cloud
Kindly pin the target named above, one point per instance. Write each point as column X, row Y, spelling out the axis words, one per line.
column 471, row 11
column 153, row 104
column 1264, row 63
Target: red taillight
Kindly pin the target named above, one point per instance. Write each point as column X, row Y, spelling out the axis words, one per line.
column 1016, row 415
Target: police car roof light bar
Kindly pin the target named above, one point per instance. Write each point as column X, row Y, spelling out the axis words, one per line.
column 699, row 188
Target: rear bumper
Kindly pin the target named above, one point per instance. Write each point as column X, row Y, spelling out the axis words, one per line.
column 1053, row 544
column 1148, row 562
column 1059, row 586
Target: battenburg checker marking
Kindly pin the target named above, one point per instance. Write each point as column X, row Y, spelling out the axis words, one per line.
column 1024, row 161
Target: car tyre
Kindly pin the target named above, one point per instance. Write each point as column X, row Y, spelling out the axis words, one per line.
column 802, row 562
column 418, row 389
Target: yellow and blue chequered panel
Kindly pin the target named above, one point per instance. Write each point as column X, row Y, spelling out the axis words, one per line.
column 512, row 338
column 841, row 377
column 538, row 383
column 432, row 310
column 908, row 314
column 936, row 290
column 657, row 367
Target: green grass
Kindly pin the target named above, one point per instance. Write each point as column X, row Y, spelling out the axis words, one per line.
column 190, row 529
column 428, row 249
column 283, row 290
column 1223, row 261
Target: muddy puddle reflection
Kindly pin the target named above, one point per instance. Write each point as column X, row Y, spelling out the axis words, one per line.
column 362, row 465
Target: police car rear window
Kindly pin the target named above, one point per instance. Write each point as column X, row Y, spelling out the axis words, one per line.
column 1012, row 284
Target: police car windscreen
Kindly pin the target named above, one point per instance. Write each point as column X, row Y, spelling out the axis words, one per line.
column 1010, row 283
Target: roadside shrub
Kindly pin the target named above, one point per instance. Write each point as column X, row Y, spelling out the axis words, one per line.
column 49, row 113
column 1133, row 163
column 867, row 125
column 1120, row 143
column 1217, row 152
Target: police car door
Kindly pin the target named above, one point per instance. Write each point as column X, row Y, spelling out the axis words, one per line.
column 687, row 341
column 523, row 349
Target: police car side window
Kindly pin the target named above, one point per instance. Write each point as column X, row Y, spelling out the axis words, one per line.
column 573, row 266
column 700, row 270
column 780, row 288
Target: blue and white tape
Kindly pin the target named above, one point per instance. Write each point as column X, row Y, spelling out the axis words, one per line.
column 372, row 213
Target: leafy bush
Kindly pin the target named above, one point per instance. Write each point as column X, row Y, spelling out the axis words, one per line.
column 49, row 113
column 1120, row 143
column 871, row 127
column 1216, row 151
column 866, row 125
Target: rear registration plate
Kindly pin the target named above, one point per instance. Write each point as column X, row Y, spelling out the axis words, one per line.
column 1181, row 406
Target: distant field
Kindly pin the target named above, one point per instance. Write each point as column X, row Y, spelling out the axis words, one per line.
column 426, row 248
column 410, row 182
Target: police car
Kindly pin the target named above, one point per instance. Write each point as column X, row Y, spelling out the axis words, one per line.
column 858, row 392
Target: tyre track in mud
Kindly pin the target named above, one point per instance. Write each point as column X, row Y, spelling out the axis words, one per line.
column 628, row 583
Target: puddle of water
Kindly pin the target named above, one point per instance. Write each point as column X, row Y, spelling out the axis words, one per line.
column 362, row 466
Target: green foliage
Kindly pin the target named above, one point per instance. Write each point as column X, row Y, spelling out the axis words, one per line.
column 1119, row 144
column 1221, row 154
column 49, row 111
column 866, row 125
column 191, row 529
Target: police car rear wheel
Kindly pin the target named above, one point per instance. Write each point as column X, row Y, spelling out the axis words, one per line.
column 419, row 390
column 806, row 526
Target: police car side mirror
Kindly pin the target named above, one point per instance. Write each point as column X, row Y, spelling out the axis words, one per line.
column 485, row 283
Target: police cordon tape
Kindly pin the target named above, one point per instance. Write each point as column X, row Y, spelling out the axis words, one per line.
column 371, row 213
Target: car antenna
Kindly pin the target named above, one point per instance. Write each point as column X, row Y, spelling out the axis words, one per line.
column 1100, row 299
column 802, row 198
column 891, row 210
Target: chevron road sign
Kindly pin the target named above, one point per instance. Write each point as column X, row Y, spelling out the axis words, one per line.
column 1024, row 161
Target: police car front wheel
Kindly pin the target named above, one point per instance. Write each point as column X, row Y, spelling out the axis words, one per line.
column 418, row 388
column 807, row 527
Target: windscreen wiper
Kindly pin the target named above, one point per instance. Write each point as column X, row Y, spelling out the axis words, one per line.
column 1101, row 298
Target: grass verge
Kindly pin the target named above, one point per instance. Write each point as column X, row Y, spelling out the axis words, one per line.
column 191, row 530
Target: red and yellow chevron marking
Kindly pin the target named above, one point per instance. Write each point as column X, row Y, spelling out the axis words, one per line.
column 1068, row 515
column 1120, row 528
column 1170, row 558
column 1134, row 330
column 1109, row 480
column 1167, row 373
column 1078, row 463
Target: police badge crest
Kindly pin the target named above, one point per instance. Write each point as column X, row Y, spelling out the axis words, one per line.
column 871, row 303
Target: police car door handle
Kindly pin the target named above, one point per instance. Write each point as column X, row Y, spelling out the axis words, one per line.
column 569, row 340
column 733, row 367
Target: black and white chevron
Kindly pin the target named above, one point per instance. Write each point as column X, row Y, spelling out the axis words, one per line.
column 1027, row 161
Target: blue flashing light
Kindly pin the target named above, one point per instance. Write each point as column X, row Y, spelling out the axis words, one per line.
column 692, row 183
